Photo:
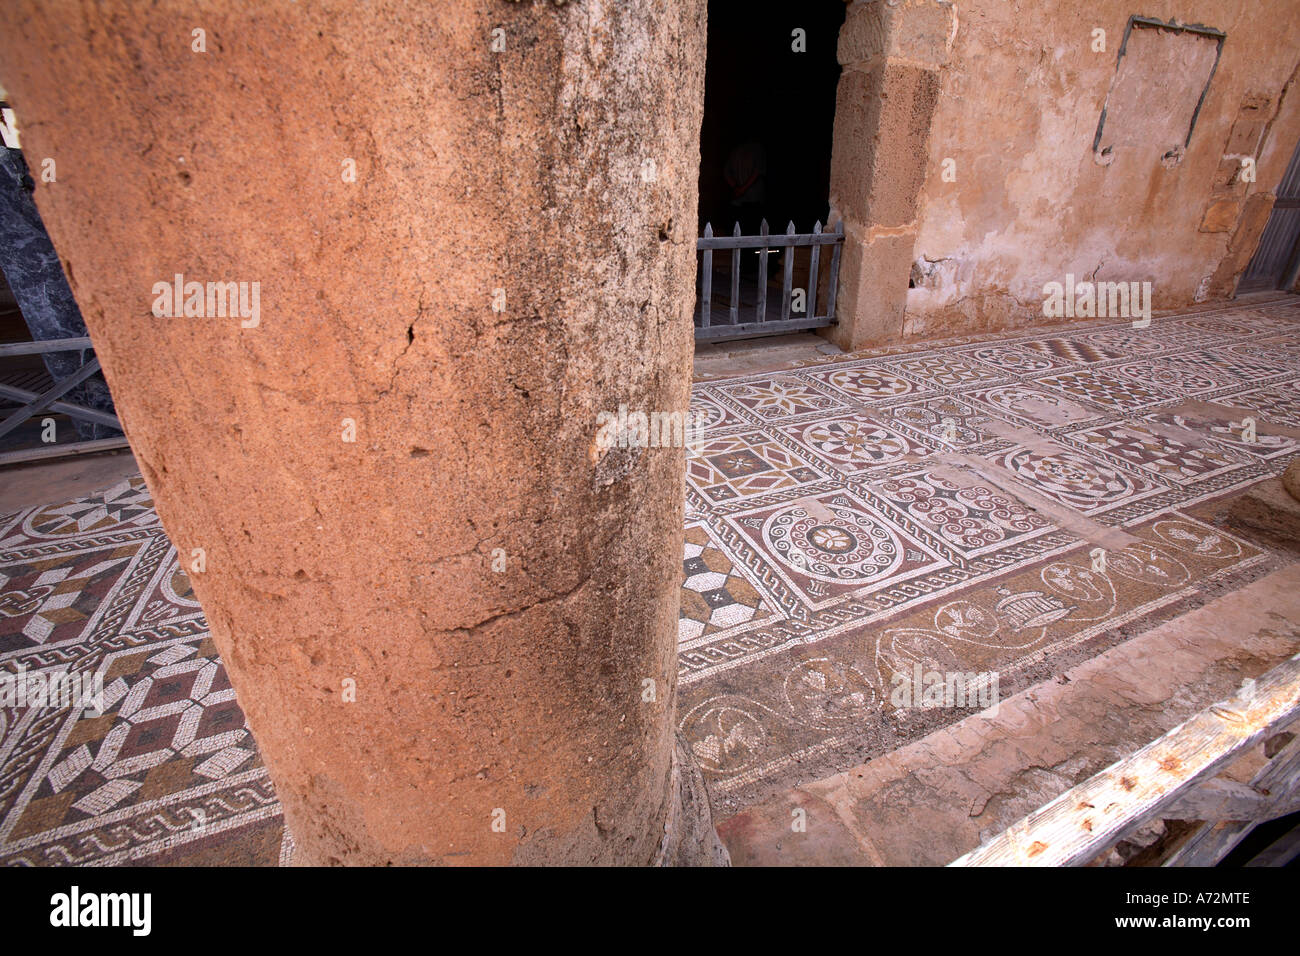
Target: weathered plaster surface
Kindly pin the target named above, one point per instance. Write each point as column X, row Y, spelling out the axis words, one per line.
column 1021, row 94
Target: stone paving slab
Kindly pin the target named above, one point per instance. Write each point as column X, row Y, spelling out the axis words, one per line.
column 769, row 354
column 942, row 796
column 1270, row 508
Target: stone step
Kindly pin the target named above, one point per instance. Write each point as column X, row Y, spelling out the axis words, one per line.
column 933, row 800
column 751, row 356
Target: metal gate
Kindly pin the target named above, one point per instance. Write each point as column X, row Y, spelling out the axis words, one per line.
column 1277, row 259
column 50, row 399
column 745, row 314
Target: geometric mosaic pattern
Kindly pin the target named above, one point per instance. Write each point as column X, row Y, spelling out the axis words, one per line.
column 972, row 519
column 853, row 443
column 1076, row 479
column 1078, row 351
column 943, row 421
column 94, row 587
column 747, row 464
column 879, row 537
column 1173, row 459
column 1103, row 390
column 716, row 595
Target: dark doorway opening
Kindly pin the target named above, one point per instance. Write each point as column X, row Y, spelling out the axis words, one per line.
column 765, row 159
column 766, row 85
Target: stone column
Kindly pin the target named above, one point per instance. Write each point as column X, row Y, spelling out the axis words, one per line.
column 464, row 230
column 892, row 54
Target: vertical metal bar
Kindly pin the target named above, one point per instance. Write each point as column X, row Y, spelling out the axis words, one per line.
column 834, row 281
column 789, row 276
column 1275, row 264
column 811, row 311
column 762, row 276
column 1292, row 271
column 1290, row 189
column 735, row 277
column 706, row 294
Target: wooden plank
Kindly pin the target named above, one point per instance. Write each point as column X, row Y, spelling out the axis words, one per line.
column 706, row 293
column 811, row 305
column 61, row 451
column 1219, row 799
column 788, row 280
column 1281, row 851
column 735, row 279
column 762, row 274
column 1104, row 809
column 833, row 283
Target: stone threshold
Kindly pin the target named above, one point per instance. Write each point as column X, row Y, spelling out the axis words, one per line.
column 768, row 354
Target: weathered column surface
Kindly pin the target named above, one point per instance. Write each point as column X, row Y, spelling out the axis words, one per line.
column 472, row 228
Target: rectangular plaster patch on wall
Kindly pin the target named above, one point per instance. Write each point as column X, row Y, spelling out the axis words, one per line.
column 1162, row 74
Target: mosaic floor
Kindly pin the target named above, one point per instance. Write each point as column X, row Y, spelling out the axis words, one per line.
column 983, row 505
column 94, row 585
column 845, row 520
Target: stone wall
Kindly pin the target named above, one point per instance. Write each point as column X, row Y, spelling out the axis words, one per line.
column 1018, row 112
column 965, row 163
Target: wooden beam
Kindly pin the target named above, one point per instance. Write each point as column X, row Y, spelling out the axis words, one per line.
column 62, row 451
column 1101, row 811
column 1281, row 851
column 1216, row 839
column 1218, row 799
